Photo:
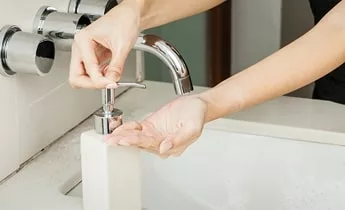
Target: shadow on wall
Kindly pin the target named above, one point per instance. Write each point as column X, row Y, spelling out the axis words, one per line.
column 260, row 28
column 297, row 19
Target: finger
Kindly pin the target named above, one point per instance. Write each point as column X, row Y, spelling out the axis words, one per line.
column 126, row 137
column 115, row 68
column 103, row 55
column 92, row 66
column 77, row 77
column 137, row 138
column 118, row 129
column 185, row 136
column 176, row 152
column 81, row 81
column 129, row 126
column 165, row 146
column 123, row 136
column 144, row 141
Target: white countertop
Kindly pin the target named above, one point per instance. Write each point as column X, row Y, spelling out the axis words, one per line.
column 41, row 183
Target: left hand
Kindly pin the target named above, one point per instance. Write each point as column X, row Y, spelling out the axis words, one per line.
column 169, row 131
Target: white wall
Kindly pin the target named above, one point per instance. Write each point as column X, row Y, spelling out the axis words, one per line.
column 297, row 19
column 34, row 110
column 260, row 28
column 255, row 31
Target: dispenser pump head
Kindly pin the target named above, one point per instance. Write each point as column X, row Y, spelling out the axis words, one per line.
column 108, row 118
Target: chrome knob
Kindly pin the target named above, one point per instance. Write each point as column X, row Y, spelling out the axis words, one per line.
column 23, row 52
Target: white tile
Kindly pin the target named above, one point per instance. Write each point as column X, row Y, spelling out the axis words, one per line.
column 8, row 127
column 31, row 88
column 49, row 118
column 15, row 13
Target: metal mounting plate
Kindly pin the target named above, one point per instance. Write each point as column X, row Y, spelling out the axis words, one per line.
column 5, row 34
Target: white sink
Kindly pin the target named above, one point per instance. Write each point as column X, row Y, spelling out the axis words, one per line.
column 225, row 170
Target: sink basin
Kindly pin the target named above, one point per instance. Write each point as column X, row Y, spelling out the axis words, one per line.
column 225, row 170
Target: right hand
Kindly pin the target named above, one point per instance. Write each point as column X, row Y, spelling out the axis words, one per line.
column 100, row 50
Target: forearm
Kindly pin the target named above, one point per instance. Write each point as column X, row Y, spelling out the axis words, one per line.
column 305, row 60
column 159, row 12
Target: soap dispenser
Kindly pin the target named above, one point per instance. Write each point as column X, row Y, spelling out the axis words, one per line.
column 108, row 118
column 111, row 174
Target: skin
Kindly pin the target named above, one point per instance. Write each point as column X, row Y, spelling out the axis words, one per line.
column 172, row 129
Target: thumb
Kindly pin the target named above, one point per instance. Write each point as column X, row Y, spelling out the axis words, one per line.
column 115, row 68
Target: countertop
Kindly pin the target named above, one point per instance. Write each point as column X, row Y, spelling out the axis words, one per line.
column 43, row 182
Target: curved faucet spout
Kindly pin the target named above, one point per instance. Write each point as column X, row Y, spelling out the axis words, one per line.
column 171, row 57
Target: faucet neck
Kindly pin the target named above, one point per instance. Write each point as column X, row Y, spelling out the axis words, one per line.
column 169, row 56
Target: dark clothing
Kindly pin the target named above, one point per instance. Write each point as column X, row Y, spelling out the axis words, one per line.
column 332, row 86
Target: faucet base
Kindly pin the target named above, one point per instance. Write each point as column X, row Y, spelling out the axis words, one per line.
column 4, row 34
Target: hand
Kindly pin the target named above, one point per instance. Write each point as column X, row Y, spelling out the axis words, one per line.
column 169, row 131
column 110, row 38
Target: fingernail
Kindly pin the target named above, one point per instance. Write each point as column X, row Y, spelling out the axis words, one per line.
column 165, row 147
column 112, row 85
column 123, row 143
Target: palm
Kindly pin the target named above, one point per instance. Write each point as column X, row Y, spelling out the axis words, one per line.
column 180, row 121
column 174, row 116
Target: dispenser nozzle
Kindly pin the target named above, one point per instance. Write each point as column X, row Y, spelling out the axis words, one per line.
column 108, row 118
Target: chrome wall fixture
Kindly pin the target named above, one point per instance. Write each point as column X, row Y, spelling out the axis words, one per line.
column 94, row 8
column 59, row 26
column 23, row 52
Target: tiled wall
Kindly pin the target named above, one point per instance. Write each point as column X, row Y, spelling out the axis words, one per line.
column 35, row 111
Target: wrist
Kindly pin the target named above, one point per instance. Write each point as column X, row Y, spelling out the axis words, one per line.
column 221, row 103
column 140, row 8
column 210, row 114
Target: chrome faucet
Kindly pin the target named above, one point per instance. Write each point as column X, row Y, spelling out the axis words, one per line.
column 62, row 27
column 145, row 42
column 171, row 57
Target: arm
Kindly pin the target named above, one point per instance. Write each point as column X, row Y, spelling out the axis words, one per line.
column 159, row 12
column 96, row 44
column 310, row 57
